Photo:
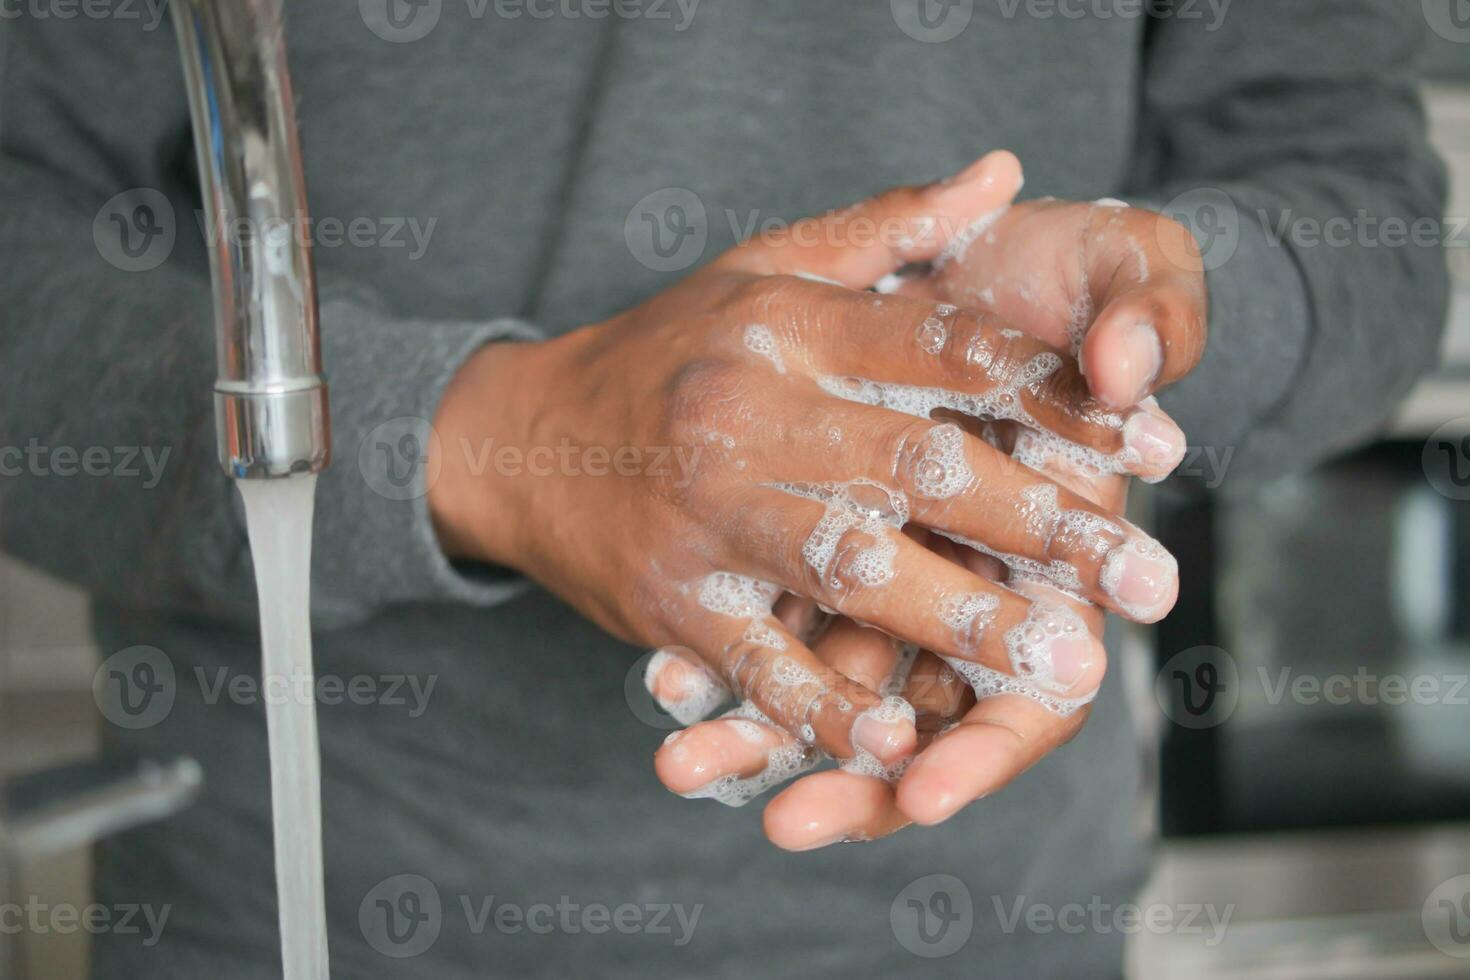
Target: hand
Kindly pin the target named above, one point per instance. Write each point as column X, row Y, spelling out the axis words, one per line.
column 1104, row 255
column 804, row 473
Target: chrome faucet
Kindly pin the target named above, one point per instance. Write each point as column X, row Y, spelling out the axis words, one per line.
column 270, row 397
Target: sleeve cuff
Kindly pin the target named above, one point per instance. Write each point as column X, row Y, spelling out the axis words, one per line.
column 374, row 542
column 1260, row 331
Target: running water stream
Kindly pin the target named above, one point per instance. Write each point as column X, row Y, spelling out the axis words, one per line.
column 278, row 514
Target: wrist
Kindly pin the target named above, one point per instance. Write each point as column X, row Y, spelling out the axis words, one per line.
column 476, row 510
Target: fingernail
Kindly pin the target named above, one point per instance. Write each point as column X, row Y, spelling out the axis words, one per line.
column 1143, row 359
column 1142, row 578
column 1073, row 656
column 822, row 842
column 664, row 676
column 681, row 688
column 886, row 730
column 1159, row 443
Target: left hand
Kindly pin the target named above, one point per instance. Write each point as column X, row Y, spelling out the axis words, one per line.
column 1123, row 288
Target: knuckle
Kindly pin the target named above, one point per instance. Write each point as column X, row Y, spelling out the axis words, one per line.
column 997, row 350
column 858, row 562
column 1084, row 538
column 695, row 387
column 931, row 459
column 771, row 298
column 1068, row 388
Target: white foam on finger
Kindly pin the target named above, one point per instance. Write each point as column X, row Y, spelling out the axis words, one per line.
column 784, row 761
column 701, row 693
column 861, row 504
column 892, row 710
column 760, row 340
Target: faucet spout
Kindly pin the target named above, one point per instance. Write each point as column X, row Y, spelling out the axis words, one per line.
column 271, row 413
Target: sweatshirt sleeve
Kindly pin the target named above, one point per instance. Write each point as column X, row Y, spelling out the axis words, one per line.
column 107, row 450
column 1290, row 137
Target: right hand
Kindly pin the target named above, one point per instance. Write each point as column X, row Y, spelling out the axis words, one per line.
column 789, row 487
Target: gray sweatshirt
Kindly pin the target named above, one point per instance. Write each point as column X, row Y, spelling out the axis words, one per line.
column 488, row 751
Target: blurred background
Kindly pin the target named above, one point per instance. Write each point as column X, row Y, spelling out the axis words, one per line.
column 1305, row 712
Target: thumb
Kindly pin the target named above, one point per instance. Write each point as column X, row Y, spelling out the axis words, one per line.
column 859, row 245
